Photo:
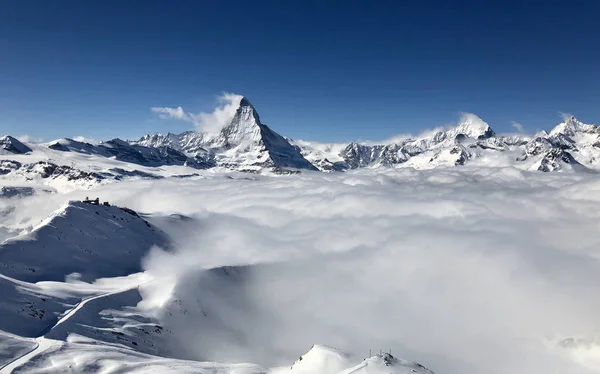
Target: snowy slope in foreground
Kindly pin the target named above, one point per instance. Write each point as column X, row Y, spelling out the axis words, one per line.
column 94, row 241
column 327, row 360
column 88, row 356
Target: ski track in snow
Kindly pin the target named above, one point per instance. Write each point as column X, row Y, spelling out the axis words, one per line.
column 43, row 344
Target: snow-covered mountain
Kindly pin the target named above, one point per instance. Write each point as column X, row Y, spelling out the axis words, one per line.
column 571, row 145
column 93, row 241
column 245, row 144
column 10, row 145
column 135, row 154
column 327, row 360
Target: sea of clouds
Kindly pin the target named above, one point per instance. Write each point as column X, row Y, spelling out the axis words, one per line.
column 465, row 270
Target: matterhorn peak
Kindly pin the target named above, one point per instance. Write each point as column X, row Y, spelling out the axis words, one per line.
column 245, row 102
column 245, row 126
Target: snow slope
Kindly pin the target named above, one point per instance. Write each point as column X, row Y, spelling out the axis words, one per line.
column 10, row 145
column 327, row 360
column 123, row 151
column 386, row 364
column 93, row 241
column 321, row 359
column 45, row 339
column 12, row 346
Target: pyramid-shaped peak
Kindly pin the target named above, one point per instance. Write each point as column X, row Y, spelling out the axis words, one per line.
column 245, row 102
column 8, row 144
column 472, row 126
column 245, row 110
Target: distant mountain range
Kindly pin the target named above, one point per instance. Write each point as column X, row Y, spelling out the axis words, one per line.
column 248, row 145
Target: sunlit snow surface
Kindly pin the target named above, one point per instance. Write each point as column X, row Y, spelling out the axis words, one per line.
column 463, row 270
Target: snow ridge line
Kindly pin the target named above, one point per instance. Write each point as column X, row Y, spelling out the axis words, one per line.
column 42, row 343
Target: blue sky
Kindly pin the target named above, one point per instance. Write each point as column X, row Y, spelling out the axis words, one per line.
column 314, row 69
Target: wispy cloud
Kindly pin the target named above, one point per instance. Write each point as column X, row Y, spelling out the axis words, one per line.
column 211, row 122
column 518, row 126
column 374, row 258
column 84, row 139
column 29, row 139
column 565, row 116
column 172, row 113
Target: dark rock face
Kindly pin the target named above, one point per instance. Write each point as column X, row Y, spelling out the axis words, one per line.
column 8, row 145
column 487, row 134
column 358, row 155
column 119, row 173
column 553, row 159
column 135, row 154
column 7, row 166
column 203, row 159
column 328, row 166
column 50, row 170
column 10, row 192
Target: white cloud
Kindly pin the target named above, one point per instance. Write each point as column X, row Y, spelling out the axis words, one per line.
column 473, row 121
column 565, row 116
column 29, row 139
column 518, row 127
column 448, row 267
column 84, row 139
column 205, row 122
column 172, row 113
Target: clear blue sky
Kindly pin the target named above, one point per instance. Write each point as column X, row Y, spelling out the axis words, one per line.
column 315, row 69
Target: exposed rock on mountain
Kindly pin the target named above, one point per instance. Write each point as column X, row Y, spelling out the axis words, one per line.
column 245, row 144
column 123, row 151
column 8, row 192
column 10, row 145
column 571, row 144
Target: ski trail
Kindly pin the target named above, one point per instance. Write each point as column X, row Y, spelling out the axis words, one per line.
column 43, row 344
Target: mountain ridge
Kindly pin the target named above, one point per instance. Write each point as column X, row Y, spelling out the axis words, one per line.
column 246, row 144
column 469, row 140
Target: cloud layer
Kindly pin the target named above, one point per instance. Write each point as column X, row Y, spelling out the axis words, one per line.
column 205, row 122
column 464, row 270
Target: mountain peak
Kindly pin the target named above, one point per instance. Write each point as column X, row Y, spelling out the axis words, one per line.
column 81, row 237
column 245, row 102
column 8, row 144
column 472, row 126
column 245, row 126
column 571, row 125
column 246, row 111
